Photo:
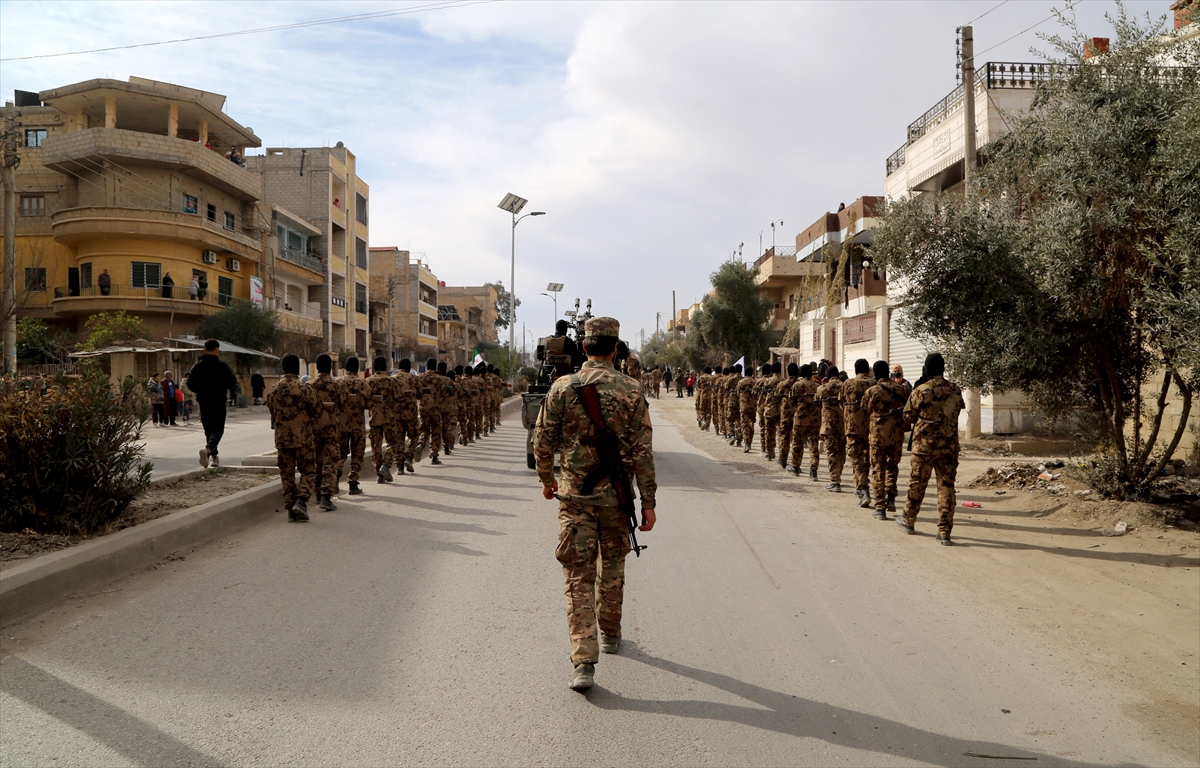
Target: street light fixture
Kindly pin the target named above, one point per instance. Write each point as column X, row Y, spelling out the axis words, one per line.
column 513, row 205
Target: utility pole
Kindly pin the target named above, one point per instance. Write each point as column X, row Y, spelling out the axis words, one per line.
column 391, row 294
column 10, row 243
column 674, row 319
column 974, row 396
column 657, row 321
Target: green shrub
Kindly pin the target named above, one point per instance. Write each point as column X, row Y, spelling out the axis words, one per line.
column 243, row 401
column 70, row 452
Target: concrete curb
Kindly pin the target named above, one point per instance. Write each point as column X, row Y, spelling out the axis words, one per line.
column 44, row 580
column 510, row 405
column 198, row 471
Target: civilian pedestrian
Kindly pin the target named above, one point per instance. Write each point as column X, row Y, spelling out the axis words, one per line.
column 168, row 286
column 170, row 390
column 211, row 378
column 105, row 283
column 154, row 390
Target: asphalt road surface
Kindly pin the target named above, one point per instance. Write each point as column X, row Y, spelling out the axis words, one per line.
column 423, row 623
column 174, row 450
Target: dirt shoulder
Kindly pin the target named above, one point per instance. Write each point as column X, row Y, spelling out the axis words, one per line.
column 157, row 501
column 1124, row 608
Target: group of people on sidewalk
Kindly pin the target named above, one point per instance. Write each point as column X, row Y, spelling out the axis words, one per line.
column 653, row 380
column 321, row 422
column 863, row 418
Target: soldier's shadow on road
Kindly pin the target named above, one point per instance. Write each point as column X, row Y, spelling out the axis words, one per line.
column 804, row 718
column 447, row 509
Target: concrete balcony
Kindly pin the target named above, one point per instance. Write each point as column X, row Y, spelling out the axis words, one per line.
column 303, row 321
column 778, row 271
column 83, row 151
column 72, row 226
column 70, row 302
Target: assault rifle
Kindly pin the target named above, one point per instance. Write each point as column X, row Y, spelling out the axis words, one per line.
column 606, row 444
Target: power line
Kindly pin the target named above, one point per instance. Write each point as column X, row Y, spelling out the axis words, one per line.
column 985, row 13
column 1023, row 31
column 298, row 25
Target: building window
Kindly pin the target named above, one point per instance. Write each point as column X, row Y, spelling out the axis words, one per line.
column 224, row 291
column 33, row 205
column 145, row 274
column 360, row 209
column 34, row 137
column 816, row 339
column 360, row 253
column 190, row 204
column 85, row 276
column 360, row 342
column 860, row 329
column 360, row 297
column 230, row 221
column 212, row 212
column 35, row 279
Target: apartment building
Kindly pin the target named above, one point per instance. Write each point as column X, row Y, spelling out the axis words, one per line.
column 402, row 285
column 467, row 316
column 318, row 239
column 123, row 185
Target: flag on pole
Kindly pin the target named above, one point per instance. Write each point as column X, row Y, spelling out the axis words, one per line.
column 741, row 361
column 478, row 357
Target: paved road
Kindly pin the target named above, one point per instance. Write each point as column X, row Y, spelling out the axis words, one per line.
column 174, row 450
column 423, row 623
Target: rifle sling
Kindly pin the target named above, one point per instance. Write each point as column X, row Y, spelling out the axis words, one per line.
column 610, row 465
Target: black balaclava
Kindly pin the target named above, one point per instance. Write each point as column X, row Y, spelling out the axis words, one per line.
column 766, row 369
column 291, row 364
column 832, row 371
column 380, row 363
column 806, row 371
column 351, row 365
column 738, row 369
column 880, row 369
column 776, row 368
column 793, row 370
column 324, row 363
column 405, row 364
column 861, row 366
column 935, row 365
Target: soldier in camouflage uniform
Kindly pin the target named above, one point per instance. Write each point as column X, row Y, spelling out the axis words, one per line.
column 381, row 399
column 405, row 428
column 747, row 395
column 787, row 412
column 733, row 412
column 806, row 423
column 932, row 410
column 495, row 396
column 858, row 446
column 327, row 431
column 833, row 427
column 883, row 404
column 770, row 410
column 593, row 529
column 449, row 402
column 431, row 389
column 294, row 408
column 354, row 431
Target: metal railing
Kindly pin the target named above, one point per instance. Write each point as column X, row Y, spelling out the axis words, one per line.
column 775, row 250
column 896, row 160
column 177, row 293
column 306, row 260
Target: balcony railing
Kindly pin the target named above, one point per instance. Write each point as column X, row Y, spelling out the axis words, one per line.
column 775, row 250
column 896, row 160
column 180, row 295
column 306, row 260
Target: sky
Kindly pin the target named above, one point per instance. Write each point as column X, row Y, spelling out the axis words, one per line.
column 658, row 137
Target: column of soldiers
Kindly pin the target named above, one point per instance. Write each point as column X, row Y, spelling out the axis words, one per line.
column 863, row 418
column 320, row 423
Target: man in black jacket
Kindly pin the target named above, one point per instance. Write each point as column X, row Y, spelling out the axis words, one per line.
column 211, row 379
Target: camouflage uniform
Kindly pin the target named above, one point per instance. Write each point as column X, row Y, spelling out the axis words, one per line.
column 932, row 410
column 381, row 399
column 327, row 431
column 733, row 413
column 656, row 381
column 787, row 411
column 450, row 401
column 294, row 409
column 405, row 427
column 431, row 387
column 883, row 404
column 595, row 531
column 747, row 395
column 806, row 423
column 354, row 431
column 833, row 428
column 770, row 411
column 494, row 398
column 857, row 431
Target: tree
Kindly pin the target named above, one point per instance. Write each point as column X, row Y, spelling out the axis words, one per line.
column 1072, row 270
column 733, row 321
column 244, row 324
column 661, row 351
column 503, row 311
column 105, row 329
column 38, row 341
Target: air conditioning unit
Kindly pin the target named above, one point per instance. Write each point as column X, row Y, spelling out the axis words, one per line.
column 210, row 257
column 234, row 265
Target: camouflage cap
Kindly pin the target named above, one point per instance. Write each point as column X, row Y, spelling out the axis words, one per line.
column 602, row 326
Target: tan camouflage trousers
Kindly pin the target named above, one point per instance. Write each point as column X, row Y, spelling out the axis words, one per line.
column 431, row 432
column 354, row 445
column 946, row 466
column 858, row 448
column 885, row 469
column 835, row 452
column 805, row 434
column 291, row 461
column 733, row 419
column 770, row 433
column 592, row 545
column 785, row 440
column 379, row 457
column 747, row 416
column 449, row 422
column 326, row 455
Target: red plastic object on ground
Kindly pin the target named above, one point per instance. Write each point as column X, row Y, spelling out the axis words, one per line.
column 972, row 504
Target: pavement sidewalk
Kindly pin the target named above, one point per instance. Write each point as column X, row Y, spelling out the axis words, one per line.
column 175, row 450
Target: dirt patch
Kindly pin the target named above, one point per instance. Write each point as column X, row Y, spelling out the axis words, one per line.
column 157, row 501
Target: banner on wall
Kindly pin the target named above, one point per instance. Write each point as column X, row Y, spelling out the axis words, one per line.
column 256, row 291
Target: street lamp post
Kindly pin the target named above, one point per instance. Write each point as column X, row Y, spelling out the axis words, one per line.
column 773, row 223
column 513, row 205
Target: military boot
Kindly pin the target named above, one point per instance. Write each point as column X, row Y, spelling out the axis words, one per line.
column 383, row 474
column 355, row 488
column 944, row 540
column 435, row 460
column 408, row 464
column 879, row 514
column 812, row 475
column 746, row 449
column 449, row 451
column 326, row 503
column 610, row 644
column 299, row 511
column 891, row 502
column 864, row 501
column 834, row 487
column 583, row 677
column 908, row 528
